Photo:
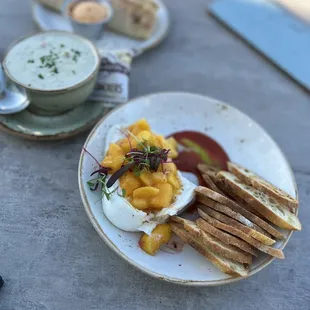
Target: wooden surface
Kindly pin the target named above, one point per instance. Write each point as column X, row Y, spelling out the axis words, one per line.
column 50, row 255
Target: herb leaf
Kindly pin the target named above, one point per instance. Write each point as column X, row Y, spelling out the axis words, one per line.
column 116, row 175
column 144, row 157
column 123, row 193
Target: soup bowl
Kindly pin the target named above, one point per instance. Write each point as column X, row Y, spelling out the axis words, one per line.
column 57, row 69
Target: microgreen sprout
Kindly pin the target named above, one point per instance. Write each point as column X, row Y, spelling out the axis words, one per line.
column 100, row 181
column 143, row 157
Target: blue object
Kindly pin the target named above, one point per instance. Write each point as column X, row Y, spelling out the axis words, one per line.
column 272, row 30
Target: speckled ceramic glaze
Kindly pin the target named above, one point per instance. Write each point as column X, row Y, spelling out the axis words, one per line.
column 36, row 127
column 53, row 102
column 244, row 141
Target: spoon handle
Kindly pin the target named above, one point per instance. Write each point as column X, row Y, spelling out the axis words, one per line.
column 2, row 81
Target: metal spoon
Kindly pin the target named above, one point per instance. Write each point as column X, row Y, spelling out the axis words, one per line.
column 12, row 98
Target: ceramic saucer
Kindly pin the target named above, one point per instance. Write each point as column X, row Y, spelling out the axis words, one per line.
column 36, row 127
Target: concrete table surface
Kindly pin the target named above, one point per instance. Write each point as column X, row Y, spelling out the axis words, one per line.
column 50, row 255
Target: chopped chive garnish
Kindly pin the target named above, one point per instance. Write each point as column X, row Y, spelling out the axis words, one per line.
column 30, row 61
column 41, row 76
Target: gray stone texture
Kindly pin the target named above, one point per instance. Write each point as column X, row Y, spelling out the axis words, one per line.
column 50, row 255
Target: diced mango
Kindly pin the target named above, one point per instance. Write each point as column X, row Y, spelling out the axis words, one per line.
column 127, row 144
column 145, row 192
column 173, row 153
column 169, row 144
column 150, row 189
column 139, row 126
column 148, row 137
column 158, row 177
column 144, row 135
column 113, row 162
column 151, row 178
column 168, row 168
column 115, row 150
column 114, row 158
column 140, row 203
column 173, row 143
column 173, row 180
column 164, row 197
column 129, row 182
column 160, row 235
column 161, row 141
column 146, row 178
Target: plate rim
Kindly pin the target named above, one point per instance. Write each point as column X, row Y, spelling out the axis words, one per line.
column 112, row 246
column 57, row 136
column 60, row 135
column 141, row 51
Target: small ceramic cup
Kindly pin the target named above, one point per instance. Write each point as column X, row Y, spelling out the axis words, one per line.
column 58, row 100
column 90, row 30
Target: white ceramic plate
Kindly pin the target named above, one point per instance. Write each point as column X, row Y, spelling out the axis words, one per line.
column 244, row 141
column 49, row 20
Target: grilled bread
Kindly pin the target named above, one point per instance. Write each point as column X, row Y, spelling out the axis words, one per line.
column 239, row 221
column 237, row 208
column 218, row 220
column 225, row 237
column 134, row 18
column 213, row 243
column 225, row 265
column 236, row 198
column 209, row 182
column 265, row 205
column 250, row 178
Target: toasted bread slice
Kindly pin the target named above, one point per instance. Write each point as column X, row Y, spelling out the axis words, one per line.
column 239, row 221
column 237, row 208
column 216, row 245
column 205, row 169
column 209, row 182
column 225, row 265
column 267, row 206
column 224, row 188
column 261, row 184
column 218, row 220
column 226, row 238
